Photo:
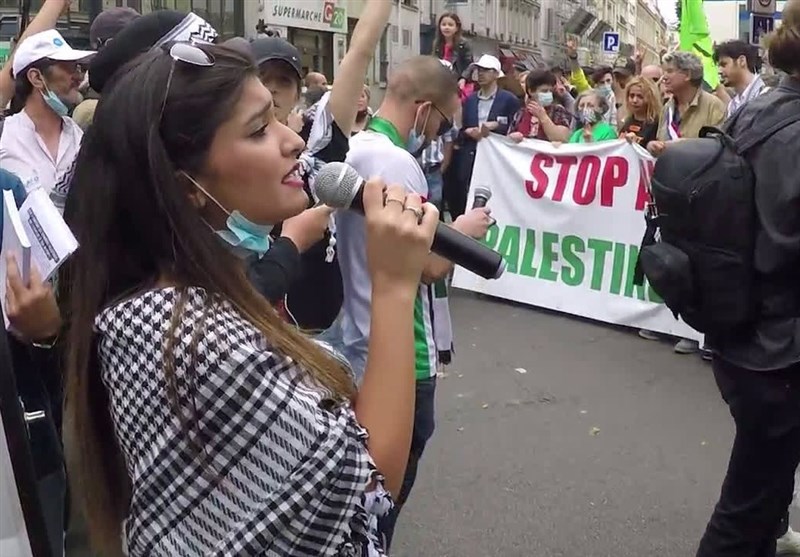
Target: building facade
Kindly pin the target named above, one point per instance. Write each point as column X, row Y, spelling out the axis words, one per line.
column 318, row 28
column 729, row 19
column 508, row 29
column 226, row 16
column 651, row 32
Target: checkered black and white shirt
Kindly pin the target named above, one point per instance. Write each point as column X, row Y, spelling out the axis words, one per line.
column 281, row 469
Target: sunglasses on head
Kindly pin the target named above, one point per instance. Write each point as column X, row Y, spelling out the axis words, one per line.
column 185, row 53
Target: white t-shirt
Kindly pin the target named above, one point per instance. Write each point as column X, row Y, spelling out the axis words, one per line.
column 374, row 155
column 23, row 152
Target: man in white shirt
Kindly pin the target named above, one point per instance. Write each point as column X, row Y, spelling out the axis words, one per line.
column 420, row 102
column 39, row 143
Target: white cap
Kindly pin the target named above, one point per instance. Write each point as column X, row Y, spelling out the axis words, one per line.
column 48, row 45
column 489, row 62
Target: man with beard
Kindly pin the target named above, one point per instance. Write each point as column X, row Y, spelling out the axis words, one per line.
column 40, row 142
column 738, row 64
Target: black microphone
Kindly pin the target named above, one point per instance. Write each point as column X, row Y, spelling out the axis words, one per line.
column 482, row 196
column 338, row 185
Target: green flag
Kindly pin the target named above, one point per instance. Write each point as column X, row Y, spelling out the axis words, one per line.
column 695, row 38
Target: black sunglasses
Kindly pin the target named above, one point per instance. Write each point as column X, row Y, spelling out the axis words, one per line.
column 187, row 54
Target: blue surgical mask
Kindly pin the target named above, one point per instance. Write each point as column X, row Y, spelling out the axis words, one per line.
column 55, row 104
column 545, row 99
column 605, row 88
column 246, row 235
column 416, row 140
column 243, row 235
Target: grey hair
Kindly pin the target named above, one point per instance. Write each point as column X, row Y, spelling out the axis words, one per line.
column 688, row 63
column 601, row 99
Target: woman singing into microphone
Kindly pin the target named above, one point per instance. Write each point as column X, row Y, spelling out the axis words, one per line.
column 205, row 424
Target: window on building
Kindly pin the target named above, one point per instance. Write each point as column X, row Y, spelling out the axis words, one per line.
column 407, row 37
column 395, row 34
column 383, row 70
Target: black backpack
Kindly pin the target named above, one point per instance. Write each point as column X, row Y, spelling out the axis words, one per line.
column 697, row 251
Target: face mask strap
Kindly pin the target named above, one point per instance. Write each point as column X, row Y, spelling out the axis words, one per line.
column 202, row 189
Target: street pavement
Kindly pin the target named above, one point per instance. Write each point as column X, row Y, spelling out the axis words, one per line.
column 561, row 437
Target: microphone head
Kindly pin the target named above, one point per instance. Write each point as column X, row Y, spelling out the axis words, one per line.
column 336, row 185
column 483, row 191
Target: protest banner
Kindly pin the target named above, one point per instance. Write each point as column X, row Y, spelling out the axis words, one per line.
column 570, row 220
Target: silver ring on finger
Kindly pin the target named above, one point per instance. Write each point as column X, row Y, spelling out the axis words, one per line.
column 415, row 210
column 393, row 200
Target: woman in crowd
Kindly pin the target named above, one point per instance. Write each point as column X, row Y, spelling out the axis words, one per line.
column 363, row 114
column 310, row 290
column 643, row 107
column 205, row 423
column 541, row 117
column 592, row 105
column 450, row 45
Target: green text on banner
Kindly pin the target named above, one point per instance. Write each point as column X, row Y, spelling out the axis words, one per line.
column 570, row 219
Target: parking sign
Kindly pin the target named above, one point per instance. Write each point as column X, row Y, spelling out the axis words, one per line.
column 610, row 41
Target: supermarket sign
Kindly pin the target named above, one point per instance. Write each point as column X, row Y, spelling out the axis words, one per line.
column 318, row 15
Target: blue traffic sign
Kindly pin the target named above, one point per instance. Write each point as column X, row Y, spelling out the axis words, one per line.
column 610, row 41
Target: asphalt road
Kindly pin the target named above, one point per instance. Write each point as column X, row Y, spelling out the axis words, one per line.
column 560, row 437
column 557, row 437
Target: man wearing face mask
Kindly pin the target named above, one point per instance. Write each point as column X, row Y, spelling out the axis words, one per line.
column 39, row 142
column 421, row 100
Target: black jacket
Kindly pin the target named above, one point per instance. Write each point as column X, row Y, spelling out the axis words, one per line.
column 462, row 59
column 774, row 342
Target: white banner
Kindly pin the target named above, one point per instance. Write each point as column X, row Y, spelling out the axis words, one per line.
column 570, row 220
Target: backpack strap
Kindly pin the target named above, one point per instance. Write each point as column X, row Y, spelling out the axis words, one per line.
column 745, row 146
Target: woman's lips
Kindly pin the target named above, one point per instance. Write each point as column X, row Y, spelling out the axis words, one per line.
column 293, row 178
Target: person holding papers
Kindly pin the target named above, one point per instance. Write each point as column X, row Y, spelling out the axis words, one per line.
column 34, row 321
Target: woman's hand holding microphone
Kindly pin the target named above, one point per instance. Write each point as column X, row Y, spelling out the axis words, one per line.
column 400, row 231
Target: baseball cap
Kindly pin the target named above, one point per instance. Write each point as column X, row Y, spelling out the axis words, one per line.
column 625, row 66
column 110, row 22
column 265, row 49
column 489, row 62
column 47, row 45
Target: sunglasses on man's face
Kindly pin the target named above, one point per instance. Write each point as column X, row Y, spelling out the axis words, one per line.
column 446, row 123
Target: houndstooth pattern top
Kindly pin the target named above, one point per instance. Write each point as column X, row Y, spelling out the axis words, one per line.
column 268, row 465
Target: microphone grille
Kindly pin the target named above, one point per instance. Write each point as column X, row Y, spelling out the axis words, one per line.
column 483, row 191
column 336, row 185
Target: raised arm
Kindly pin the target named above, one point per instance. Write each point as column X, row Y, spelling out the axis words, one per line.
column 44, row 20
column 350, row 81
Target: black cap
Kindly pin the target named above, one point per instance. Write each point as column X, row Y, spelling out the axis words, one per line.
column 265, row 49
column 108, row 23
column 625, row 66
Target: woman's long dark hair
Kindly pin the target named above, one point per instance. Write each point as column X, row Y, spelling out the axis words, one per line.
column 135, row 224
column 438, row 44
